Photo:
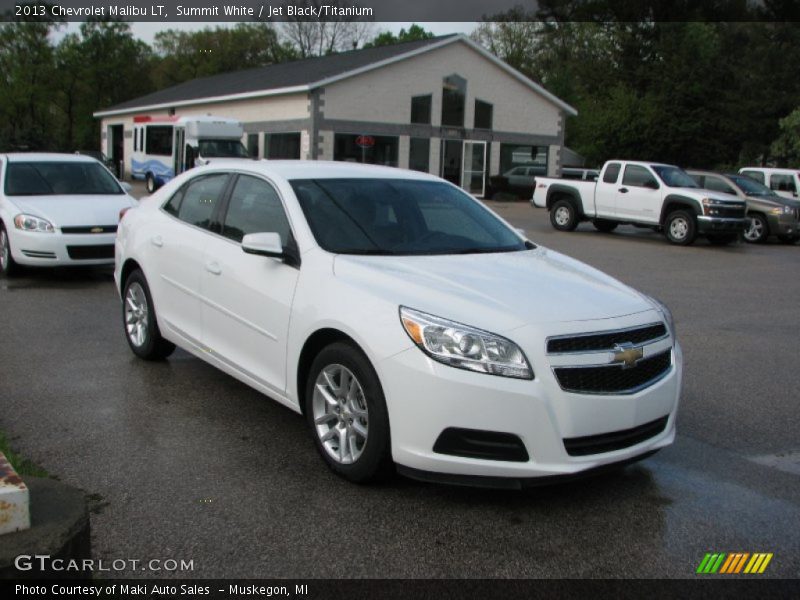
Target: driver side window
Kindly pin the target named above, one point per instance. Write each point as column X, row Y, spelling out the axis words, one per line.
column 638, row 177
column 254, row 207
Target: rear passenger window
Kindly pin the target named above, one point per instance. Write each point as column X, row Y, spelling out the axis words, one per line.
column 611, row 173
column 782, row 183
column 200, row 198
column 254, row 207
column 638, row 177
column 757, row 175
column 718, row 185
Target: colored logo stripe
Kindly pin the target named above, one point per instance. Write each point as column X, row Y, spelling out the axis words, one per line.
column 734, row 563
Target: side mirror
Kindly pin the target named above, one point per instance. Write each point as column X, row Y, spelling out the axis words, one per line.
column 126, row 187
column 651, row 184
column 269, row 244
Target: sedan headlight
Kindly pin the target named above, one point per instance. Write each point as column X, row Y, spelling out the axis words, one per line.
column 465, row 347
column 782, row 210
column 665, row 311
column 31, row 223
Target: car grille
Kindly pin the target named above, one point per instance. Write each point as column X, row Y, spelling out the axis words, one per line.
column 38, row 254
column 615, row 440
column 732, row 212
column 594, row 342
column 614, row 379
column 91, row 252
column 90, row 229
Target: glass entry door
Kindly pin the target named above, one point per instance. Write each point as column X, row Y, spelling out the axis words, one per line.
column 474, row 168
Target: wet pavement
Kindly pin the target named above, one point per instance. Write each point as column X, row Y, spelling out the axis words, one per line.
column 189, row 464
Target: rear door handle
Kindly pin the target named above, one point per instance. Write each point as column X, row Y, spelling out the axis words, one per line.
column 157, row 240
column 623, row 190
column 213, row 268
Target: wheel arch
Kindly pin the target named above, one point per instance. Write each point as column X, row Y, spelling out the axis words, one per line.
column 674, row 202
column 313, row 345
column 565, row 192
column 128, row 267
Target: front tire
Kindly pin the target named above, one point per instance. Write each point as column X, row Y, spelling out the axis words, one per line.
column 346, row 410
column 139, row 320
column 150, row 183
column 680, row 228
column 8, row 266
column 563, row 216
column 757, row 230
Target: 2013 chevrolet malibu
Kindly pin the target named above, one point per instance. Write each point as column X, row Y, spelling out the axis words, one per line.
column 57, row 209
column 410, row 324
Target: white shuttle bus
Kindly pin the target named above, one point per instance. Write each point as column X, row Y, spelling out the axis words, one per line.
column 164, row 147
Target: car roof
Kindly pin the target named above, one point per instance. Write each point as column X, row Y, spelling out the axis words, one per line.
column 316, row 169
column 48, row 157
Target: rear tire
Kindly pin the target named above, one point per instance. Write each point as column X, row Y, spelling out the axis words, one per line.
column 139, row 320
column 563, row 216
column 604, row 225
column 757, row 230
column 680, row 228
column 346, row 410
column 8, row 266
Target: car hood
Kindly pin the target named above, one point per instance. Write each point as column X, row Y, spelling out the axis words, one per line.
column 498, row 292
column 75, row 210
column 774, row 201
column 700, row 193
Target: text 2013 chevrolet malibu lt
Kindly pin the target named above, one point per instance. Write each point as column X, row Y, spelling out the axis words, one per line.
column 409, row 324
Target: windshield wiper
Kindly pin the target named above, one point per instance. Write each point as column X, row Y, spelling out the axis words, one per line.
column 365, row 251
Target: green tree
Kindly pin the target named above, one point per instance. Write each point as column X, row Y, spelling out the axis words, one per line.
column 786, row 148
column 387, row 38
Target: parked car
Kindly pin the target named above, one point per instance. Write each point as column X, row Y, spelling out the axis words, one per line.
column 515, row 183
column 767, row 212
column 410, row 324
column 662, row 197
column 784, row 182
column 57, row 209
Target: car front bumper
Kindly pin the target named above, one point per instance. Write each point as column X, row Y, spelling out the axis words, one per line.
column 59, row 249
column 783, row 225
column 720, row 225
column 424, row 398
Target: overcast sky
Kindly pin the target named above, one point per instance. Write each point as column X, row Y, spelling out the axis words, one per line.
column 147, row 31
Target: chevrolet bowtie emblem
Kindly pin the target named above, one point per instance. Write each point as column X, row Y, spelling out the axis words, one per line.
column 627, row 355
column 97, row 230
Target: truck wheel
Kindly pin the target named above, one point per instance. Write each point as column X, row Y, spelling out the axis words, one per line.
column 757, row 230
column 150, row 183
column 8, row 266
column 604, row 225
column 563, row 216
column 680, row 228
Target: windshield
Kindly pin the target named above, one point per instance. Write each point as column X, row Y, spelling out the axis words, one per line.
column 751, row 187
column 223, row 149
column 674, row 177
column 400, row 217
column 59, row 178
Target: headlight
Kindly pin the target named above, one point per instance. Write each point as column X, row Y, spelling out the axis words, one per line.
column 31, row 223
column 662, row 308
column 781, row 210
column 465, row 347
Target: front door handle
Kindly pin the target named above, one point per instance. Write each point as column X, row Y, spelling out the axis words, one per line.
column 623, row 190
column 213, row 268
column 157, row 241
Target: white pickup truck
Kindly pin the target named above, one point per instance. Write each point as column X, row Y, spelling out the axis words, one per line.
column 658, row 196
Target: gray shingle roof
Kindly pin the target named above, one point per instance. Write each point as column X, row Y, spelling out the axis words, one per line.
column 276, row 76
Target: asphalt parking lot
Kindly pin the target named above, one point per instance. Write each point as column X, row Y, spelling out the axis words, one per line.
column 188, row 463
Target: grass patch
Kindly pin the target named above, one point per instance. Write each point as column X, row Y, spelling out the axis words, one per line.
column 23, row 466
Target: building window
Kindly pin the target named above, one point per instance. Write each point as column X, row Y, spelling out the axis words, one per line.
column 421, row 109
column 419, row 154
column 370, row 149
column 159, row 140
column 483, row 115
column 252, row 144
column 454, row 94
column 282, row 145
column 513, row 155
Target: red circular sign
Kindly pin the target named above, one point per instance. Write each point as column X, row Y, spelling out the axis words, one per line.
column 365, row 141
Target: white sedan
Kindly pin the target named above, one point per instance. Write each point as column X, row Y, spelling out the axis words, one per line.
column 57, row 209
column 411, row 326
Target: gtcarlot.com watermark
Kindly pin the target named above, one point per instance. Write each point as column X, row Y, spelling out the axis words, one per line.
column 44, row 562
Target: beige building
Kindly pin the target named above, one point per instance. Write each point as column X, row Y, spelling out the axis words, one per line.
column 444, row 105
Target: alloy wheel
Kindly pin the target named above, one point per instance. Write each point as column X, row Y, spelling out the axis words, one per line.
column 136, row 314
column 562, row 215
column 5, row 250
column 678, row 228
column 754, row 231
column 341, row 419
